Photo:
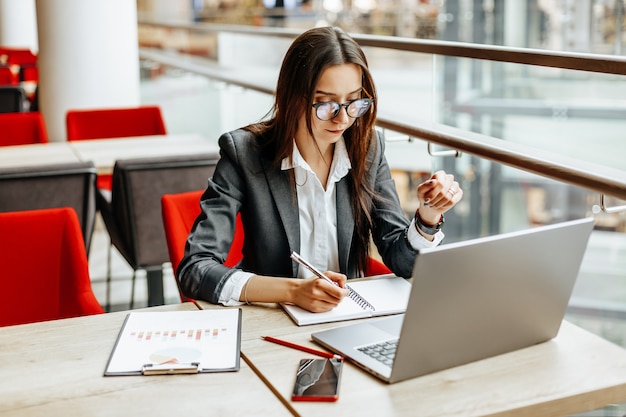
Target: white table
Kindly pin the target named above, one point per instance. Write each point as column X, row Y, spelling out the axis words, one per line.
column 36, row 154
column 104, row 152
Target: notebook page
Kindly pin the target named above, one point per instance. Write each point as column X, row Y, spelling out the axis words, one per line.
column 387, row 295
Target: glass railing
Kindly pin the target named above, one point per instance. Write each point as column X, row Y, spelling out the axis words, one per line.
column 440, row 91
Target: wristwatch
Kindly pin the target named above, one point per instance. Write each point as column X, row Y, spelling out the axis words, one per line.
column 429, row 230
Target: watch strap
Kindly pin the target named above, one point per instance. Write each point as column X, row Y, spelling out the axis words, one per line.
column 425, row 228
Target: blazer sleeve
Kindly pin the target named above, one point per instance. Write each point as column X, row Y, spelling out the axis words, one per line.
column 245, row 181
column 201, row 272
column 389, row 232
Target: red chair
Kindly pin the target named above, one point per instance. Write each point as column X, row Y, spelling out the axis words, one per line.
column 114, row 123
column 48, row 279
column 18, row 56
column 18, row 59
column 22, row 128
column 29, row 73
column 179, row 213
column 375, row 267
column 9, row 76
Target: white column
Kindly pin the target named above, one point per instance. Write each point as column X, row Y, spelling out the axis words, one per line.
column 88, row 58
column 18, row 24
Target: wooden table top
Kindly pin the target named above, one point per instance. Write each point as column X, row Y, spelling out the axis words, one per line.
column 576, row 371
column 56, row 369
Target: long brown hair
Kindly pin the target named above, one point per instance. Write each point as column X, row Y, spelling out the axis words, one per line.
column 305, row 61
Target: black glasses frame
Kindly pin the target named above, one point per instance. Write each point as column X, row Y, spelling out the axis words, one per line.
column 338, row 107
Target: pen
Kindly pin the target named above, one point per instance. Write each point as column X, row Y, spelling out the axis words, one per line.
column 317, row 272
column 352, row 294
column 302, row 348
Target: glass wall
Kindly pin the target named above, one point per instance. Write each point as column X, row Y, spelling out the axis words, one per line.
column 595, row 26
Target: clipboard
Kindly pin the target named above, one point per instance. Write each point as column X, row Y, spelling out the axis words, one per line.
column 177, row 342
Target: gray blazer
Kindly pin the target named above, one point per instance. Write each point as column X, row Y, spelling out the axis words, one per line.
column 246, row 181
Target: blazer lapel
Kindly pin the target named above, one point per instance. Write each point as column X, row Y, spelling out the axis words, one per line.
column 345, row 223
column 287, row 205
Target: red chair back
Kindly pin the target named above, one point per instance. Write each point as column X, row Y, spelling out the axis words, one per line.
column 30, row 73
column 17, row 60
column 9, row 76
column 114, row 123
column 375, row 267
column 179, row 214
column 22, row 128
column 19, row 56
column 48, row 280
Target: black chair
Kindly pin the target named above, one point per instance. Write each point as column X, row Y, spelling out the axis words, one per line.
column 52, row 186
column 132, row 211
column 12, row 99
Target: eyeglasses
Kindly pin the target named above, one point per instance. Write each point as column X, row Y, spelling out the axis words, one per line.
column 328, row 110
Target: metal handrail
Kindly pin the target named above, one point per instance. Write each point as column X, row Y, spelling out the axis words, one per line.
column 606, row 64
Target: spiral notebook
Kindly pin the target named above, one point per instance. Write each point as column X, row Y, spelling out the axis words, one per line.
column 385, row 295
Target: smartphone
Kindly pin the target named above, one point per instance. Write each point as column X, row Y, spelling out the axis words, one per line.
column 317, row 380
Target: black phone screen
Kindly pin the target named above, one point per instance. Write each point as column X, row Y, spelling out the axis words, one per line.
column 317, row 380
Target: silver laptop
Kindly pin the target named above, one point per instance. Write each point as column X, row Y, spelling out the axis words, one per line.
column 471, row 300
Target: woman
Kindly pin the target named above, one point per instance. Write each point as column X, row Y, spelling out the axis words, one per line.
column 311, row 179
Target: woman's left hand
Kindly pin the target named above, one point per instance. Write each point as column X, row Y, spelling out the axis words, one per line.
column 438, row 195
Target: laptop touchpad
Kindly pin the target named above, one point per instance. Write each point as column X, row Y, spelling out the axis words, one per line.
column 391, row 325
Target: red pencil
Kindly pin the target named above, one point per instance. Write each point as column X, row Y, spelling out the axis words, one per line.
column 302, row 348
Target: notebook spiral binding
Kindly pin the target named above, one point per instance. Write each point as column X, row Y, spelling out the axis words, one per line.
column 357, row 298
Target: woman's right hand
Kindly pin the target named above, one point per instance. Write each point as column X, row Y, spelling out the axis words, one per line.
column 318, row 295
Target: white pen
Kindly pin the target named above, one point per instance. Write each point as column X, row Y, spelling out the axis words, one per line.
column 356, row 297
column 317, row 272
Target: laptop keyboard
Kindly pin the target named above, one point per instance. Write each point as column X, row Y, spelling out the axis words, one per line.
column 383, row 352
